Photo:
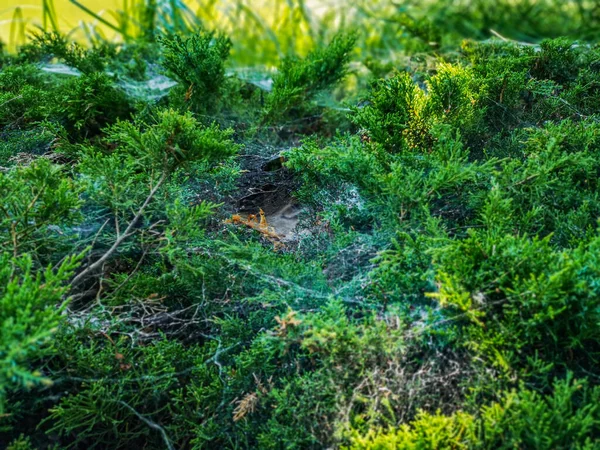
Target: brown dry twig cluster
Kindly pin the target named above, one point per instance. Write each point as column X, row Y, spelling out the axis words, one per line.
column 260, row 224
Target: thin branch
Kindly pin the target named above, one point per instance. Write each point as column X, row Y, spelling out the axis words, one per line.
column 122, row 237
column 151, row 424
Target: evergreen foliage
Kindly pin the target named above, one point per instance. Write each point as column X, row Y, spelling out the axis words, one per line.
column 439, row 289
column 198, row 63
column 522, row 418
column 299, row 80
column 32, row 305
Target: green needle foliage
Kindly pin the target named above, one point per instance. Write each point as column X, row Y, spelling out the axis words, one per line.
column 46, row 46
column 298, row 80
column 33, row 303
column 36, row 197
column 506, row 424
column 198, row 63
column 198, row 256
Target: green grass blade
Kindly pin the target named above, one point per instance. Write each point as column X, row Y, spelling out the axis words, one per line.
column 98, row 17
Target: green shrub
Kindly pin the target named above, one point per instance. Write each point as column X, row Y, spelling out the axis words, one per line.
column 120, row 400
column 39, row 203
column 127, row 181
column 198, row 63
column 23, row 95
column 299, row 80
column 345, row 159
column 552, row 185
column 522, row 419
column 394, row 115
column 32, row 306
column 519, row 299
column 90, row 102
column 49, row 45
column 439, row 289
column 453, row 98
column 83, row 104
column 400, row 115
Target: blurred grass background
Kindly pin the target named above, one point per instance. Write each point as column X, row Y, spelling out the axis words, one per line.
column 264, row 30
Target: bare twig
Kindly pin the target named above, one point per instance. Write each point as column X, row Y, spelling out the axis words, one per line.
column 121, row 237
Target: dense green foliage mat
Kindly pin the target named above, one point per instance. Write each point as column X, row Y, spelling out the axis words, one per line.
column 439, row 285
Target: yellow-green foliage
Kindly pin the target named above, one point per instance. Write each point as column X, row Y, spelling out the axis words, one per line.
column 400, row 114
column 522, row 419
